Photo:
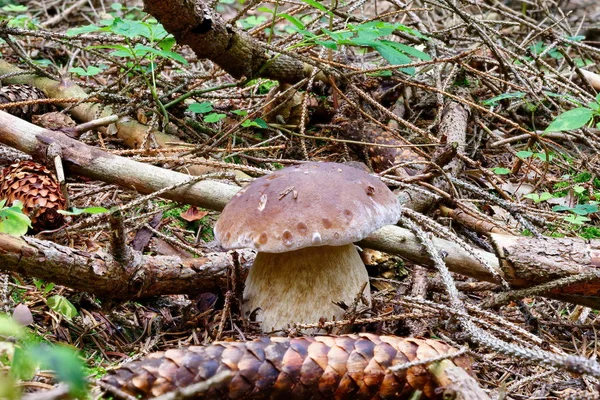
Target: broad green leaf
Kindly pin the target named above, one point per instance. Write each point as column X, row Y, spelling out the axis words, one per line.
column 130, row 28
column 579, row 209
column 259, row 123
column 24, row 365
column 62, row 305
column 80, row 30
column 14, row 8
column 411, row 51
column 501, row 171
column 537, row 198
column 295, row 21
column 9, row 327
column 167, row 43
column 200, row 108
column 503, row 96
column 90, row 71
column 79, row 211
column 318, row 6
column 214, row 117
column 141, row 51
column 13, row 221
column 577, row 219
column 393, row 56
column 572, row 119
column 241, row 113
column 67, row 365
column 524, row 154
column 543, row 156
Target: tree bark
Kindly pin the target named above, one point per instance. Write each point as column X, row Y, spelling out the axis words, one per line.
column 99, row 274
column 195, row 24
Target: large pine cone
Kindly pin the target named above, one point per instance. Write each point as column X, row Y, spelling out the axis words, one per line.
column 14, row 93
column 39, row 191
column 323, row 367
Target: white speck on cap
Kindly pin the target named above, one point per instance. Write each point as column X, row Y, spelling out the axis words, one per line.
column 311, row 204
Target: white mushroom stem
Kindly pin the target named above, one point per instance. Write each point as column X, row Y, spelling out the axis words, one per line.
column 302, row 285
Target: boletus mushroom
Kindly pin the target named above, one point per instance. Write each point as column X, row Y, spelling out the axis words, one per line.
column 303, row 221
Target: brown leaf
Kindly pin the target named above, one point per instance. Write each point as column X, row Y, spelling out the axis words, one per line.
column 193, row 214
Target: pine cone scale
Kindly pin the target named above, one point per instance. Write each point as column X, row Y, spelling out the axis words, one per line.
column 346, row 367
column 39, row 191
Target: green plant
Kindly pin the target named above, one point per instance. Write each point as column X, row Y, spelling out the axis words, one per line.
column 88, row 210
column 369, row 34
column 25, row 354
column 12, row 219
column 20, row 20
column 576, row 117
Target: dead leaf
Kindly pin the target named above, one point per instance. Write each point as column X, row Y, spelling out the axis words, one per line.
column 193, row 214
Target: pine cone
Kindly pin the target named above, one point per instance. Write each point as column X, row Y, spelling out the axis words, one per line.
column 323, row 367
column 13, row 93
column 39, row 191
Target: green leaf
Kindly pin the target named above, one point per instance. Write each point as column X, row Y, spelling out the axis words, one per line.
column 130, row 28
column 24, row 366
column 14, row 8
column 142, row 51
column 572, row 119
column 579, row 209
column 503, row 96
column 90, row 71
column 393, row 56
column 524, row 154
column 200, row 108
column 576, row 219
column 79, row 211
column 67, row 365
column 9, row 327
column 61, row 305
column 411, row 51
column 258, row 123
column 318, row 6
column 543, row 156
column 80, row 30
column 241, row 113
column 538, row 198
column 501, row 171
column 214, row 117
column 167, row 43
column 295, row 21
column 13, row 221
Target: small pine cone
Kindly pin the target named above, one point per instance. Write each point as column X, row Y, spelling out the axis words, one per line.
column 323, row 367
column 39, row 191
column 14, row 93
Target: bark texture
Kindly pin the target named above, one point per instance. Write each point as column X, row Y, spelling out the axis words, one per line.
column 552, row 258
column 99, row 274
column 323, row 367
column 195, row 24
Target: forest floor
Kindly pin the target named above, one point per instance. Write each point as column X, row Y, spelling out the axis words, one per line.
column 476, row 121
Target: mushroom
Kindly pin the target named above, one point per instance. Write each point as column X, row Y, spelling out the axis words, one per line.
column 303, row 221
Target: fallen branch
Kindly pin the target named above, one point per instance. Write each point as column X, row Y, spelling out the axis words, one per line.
column 99, row 274
column 97, row 164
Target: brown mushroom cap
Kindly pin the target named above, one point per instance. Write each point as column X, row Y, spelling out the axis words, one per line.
column 311, row 204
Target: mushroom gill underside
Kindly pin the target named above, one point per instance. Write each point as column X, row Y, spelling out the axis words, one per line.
column 302, row 286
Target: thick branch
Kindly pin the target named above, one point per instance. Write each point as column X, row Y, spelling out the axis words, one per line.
column 99, row 274
column 195, row 24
